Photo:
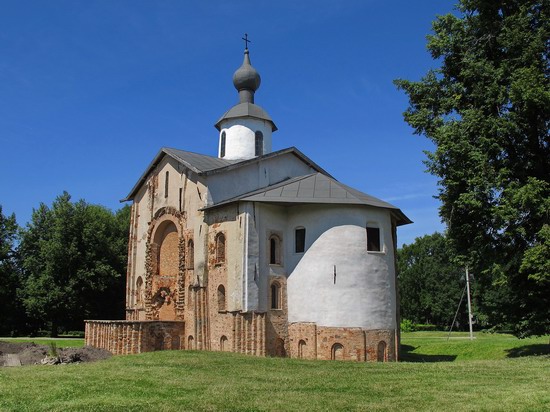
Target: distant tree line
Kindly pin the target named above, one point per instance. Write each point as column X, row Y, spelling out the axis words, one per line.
column 66, row 265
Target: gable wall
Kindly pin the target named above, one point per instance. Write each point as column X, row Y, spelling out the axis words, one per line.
column 232, row 183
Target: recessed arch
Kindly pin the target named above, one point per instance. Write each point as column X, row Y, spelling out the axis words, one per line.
column 221, row 299
column 223, row 344
column 220, row 248
column 301, row 348
column 274, row 250
column 337, row 352
column 139, row 291
column 275, row 292
column 382, row 352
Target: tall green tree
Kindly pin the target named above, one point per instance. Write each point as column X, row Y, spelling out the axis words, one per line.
column 430, row 283
column 487, row 109
column 73, row 258
column 9, row 275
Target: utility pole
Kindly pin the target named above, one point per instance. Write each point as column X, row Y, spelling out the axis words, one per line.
column 469, row 304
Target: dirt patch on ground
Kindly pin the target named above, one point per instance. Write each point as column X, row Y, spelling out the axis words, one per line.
column 33, row 354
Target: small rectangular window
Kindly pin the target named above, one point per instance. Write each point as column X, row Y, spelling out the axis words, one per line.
column 373, row 239
column 166, row 184
column 300, row 240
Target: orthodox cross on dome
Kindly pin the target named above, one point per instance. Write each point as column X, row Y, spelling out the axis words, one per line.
column 246, row 41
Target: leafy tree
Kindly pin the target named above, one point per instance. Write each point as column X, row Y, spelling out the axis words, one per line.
column 9, row 275
column 487, row 109
column 73, row 259
column 430, row 283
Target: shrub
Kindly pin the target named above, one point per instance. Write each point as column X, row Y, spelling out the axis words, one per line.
column 407, row 325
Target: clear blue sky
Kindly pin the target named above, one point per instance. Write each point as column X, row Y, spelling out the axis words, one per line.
column 91, row 90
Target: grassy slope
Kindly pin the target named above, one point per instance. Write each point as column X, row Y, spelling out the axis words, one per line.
column 187, row 380
column 59, row 342
column 434, row 347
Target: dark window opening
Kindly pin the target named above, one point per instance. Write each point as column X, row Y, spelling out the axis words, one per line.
column 220, row 248
column 274, row 251
column 222, row 145
column 221, row 298
column 275, row 296
column 300, row 240
column 373, row 239
column 166, row 184
column 259, row 140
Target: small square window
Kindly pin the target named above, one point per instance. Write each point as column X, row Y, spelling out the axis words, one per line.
column 373, row 239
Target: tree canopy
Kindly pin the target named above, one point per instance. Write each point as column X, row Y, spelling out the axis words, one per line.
column 73, row 259
column 9, row 275
column 430, row 283
column 487, row 109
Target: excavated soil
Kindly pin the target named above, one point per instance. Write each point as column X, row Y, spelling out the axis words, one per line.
column 33, row 354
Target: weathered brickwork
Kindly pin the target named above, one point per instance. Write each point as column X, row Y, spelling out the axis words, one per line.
column 277, row 343
column 124, row 337
column 189, row 294
column 309, row 341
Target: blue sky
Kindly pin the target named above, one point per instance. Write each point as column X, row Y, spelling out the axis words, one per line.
column 91, row 90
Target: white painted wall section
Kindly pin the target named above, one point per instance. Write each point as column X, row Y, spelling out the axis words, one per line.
column 363, row 294
column 240, row 135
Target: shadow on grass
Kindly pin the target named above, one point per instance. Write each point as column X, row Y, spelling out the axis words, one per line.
column 407, row 355
column 528, row 350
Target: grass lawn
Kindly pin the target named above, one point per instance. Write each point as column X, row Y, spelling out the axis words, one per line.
column 59, row 342
column 190, row 380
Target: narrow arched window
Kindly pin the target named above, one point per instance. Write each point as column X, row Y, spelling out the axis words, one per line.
column 139, row 290
column 259, row 141
column 221, row 298
column 300, row 240
column 373, row 239
column 190, row 254
column 220, row 248
column 222, row 145
column 166, row 182
column 275, row 296
column 274, row 250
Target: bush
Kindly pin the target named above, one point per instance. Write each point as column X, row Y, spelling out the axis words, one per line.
column 407, row 325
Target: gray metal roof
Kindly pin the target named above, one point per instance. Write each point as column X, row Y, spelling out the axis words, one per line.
column 199, row 163
column 315, row 188
column 204, row 165
column 246, row 109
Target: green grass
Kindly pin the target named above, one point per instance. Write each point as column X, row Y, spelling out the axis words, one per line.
column 435, row 347
column 189, row 381
column 59, row 342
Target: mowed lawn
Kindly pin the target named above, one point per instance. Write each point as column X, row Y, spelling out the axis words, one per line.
column 510, row 377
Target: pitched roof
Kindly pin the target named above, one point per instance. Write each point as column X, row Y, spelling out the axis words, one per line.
column 315, row 188
column 246, row 109
column 205, row 165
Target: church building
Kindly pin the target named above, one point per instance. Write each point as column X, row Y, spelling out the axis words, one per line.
column 256, row 251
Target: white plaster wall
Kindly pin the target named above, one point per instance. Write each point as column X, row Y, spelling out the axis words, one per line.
column 364, row 293
column 245, row 179
column 263, row 220
column 240, row 137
